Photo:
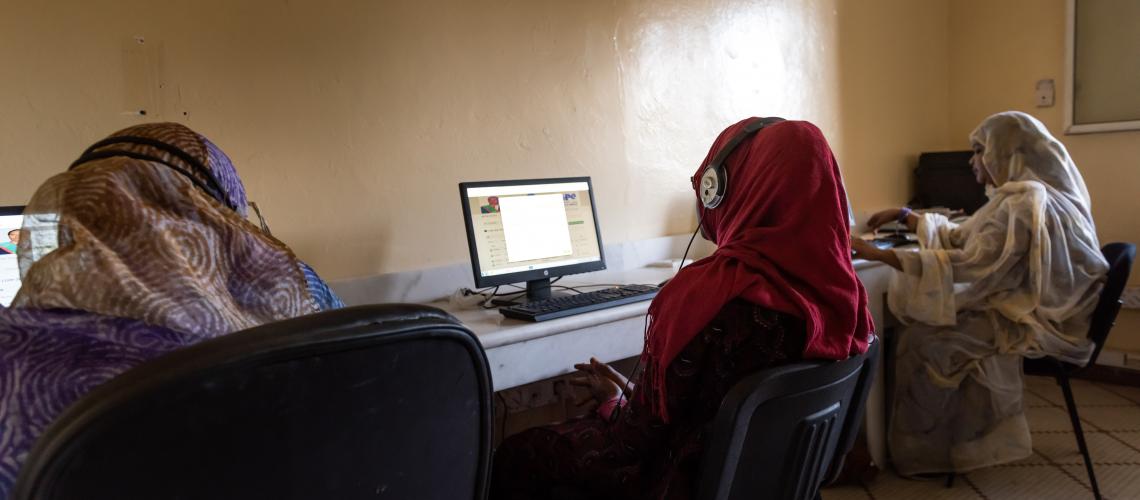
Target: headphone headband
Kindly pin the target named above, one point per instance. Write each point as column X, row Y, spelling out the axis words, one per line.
column 750, row 129
column 714, row 180
column 210, row 186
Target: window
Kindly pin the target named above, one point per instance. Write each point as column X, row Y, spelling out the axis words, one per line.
column 1102, row 66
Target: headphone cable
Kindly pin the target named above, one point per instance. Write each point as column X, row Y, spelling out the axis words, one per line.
column 633, row 374
column 700, row 217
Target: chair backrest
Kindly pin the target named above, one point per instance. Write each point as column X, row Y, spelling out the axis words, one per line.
column 1119, row 257
column 855, row 410
column 388, row 401
column 780, row 433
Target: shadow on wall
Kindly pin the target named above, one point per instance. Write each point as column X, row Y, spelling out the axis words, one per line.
column 352, row 126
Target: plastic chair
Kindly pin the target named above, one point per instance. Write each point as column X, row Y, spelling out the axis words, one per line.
column 388, row 401
column 1120, row 257
column 783, row 432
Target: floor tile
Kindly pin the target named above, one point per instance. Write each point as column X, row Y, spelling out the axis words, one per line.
column 1086, row 394
column 1129, row 392
column 1132, row 438
column 845, row 493
column 1109, row 418
column 1032, row 382
column 1080, row 382
column 1034, row 459
column 1117, row 482
column 1051, row 392
column 1061, row 448
column 1038, row 483
column 1032, row 400
column 890, row 486
column 1116, row 454
column 1048, row 419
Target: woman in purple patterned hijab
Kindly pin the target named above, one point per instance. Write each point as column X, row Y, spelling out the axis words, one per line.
column 140, row 248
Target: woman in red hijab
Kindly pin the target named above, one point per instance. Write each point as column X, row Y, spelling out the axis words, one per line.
column 779, row 288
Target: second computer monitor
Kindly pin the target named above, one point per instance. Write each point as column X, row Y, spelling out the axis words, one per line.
column 531, row 230
column 10, row 222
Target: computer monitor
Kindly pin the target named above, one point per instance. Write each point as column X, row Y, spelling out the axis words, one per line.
column 531, row 230
column 11, row 220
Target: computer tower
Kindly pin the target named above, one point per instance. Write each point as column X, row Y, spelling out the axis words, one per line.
column 945, row 179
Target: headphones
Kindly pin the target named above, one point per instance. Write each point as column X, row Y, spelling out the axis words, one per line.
column 211, row 186
column 714, row 180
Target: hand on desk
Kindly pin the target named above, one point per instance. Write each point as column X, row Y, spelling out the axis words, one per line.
column 863, row 249
column 602, row 380
column 892, row 215
column 879, row 218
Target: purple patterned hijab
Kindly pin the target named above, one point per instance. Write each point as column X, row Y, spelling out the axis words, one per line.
column 142, row 247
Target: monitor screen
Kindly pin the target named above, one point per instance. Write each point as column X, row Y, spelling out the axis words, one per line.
column 538, row 228
column 10, row 223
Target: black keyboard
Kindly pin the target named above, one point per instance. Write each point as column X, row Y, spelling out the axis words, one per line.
column 558, row 307
column 891, row 241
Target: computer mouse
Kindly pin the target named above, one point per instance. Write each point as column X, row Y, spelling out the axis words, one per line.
column 662, row 284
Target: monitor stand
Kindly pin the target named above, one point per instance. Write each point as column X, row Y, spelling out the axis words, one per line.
column 538, row 289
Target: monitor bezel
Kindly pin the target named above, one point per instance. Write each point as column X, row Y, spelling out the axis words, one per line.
column 536, row 274
column 13, row 210
column 8, row 211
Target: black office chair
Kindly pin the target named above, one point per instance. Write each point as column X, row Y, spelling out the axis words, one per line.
column 783, row 432
column 389, row 401
column 1120, row 257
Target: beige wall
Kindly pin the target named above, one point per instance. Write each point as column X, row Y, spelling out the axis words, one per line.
column 351, row 122
column 894, row 95
column 998, row 51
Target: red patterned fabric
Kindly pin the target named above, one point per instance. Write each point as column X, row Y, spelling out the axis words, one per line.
column 635, row 455
column 783, row 243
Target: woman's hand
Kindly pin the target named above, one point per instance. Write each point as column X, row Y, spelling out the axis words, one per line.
column 602, row 381
column 892, row 215
column 864, row 249
column 889, row 215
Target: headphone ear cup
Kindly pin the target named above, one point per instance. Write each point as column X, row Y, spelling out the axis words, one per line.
column 713, row 185
column 714, row 180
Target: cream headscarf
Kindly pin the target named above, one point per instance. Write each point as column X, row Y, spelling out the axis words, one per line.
column 1018, row 147
column 1030, row 254
column 1019, row 279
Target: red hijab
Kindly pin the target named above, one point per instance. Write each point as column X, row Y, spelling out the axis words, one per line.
column 783, row 243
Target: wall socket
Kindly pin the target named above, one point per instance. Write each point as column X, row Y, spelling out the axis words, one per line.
column 1045, row 93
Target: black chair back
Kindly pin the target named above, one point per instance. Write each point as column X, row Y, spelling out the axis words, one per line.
column 855, row 410
column 388, row 401
column 782, row 432
column 1119, row 257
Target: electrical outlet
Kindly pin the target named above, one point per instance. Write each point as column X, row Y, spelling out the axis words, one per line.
column 1044, row 94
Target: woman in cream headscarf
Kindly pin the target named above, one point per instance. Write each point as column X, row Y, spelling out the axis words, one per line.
column 1020, row 278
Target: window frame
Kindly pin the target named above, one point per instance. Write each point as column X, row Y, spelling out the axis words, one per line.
column 1070, row 80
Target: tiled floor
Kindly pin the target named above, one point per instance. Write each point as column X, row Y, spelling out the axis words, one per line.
column 1110, row 415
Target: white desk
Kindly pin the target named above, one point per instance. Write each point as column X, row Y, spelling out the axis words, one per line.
column 520, row 352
